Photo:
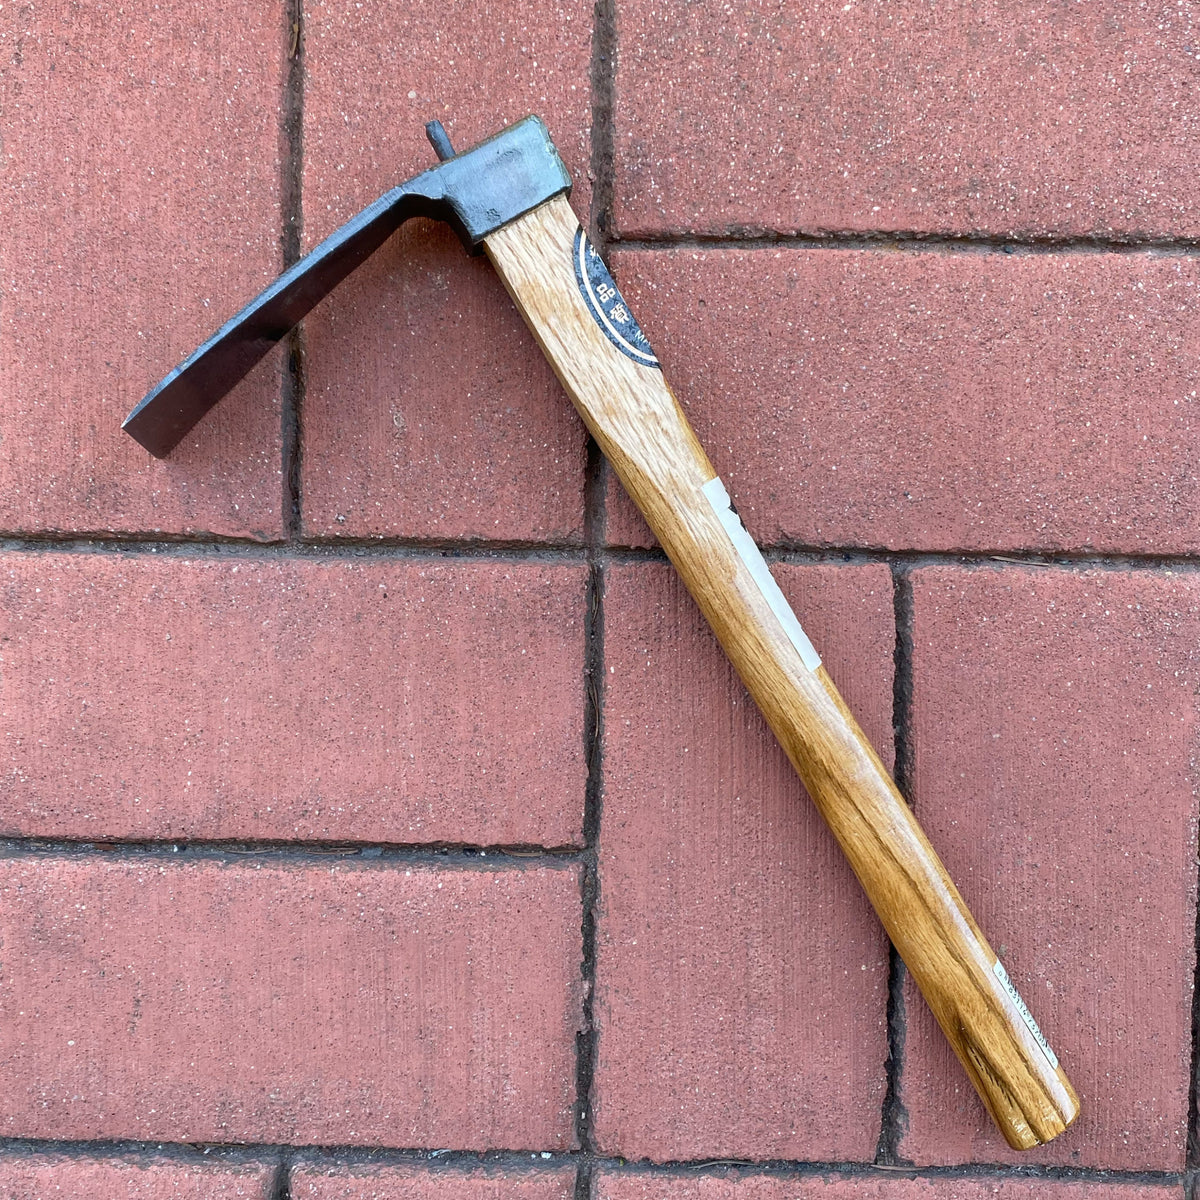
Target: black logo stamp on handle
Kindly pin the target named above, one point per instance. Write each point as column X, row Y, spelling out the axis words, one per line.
column 608, row 309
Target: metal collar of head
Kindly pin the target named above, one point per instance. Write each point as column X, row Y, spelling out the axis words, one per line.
column 475, row 192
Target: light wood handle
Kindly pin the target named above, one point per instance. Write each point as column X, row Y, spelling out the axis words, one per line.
column 635, row 418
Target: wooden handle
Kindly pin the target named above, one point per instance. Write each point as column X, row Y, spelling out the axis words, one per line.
column 571, row 304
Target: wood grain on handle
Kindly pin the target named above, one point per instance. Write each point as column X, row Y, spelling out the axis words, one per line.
column 638, row 424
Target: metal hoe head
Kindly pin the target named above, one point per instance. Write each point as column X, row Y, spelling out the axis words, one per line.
column 476, row 192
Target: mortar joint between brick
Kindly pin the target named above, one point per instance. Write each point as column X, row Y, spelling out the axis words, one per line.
column 603, row 91
column 893, row 1120
column 902, row 681
column 590, row 882
column 893, row 1117
column 292, row 160
column 529, row 1161
column 291, row 196
column 909, row 560
column 215, row 547
column 128, row 1149
column 742, row 1168
column 909, row 240
column 585, row 1178
column 506, row 551
column 442, row 855
column 294, row 383
column 603, row 65
column 281, row 1184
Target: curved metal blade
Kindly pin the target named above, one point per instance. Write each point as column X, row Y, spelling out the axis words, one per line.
column 476, row 192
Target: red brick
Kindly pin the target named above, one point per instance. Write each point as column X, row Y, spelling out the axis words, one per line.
column 378, row 700
column 429, row 410
column 1054, row 720
column 140, row 199
column 41, row 1176
column 311, row 1182
column 935, row 401
column 1049, row 119
column 321, row 1004
column 871, row 1186
column 741, row 977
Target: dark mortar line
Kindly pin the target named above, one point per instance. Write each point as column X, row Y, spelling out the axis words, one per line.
column 621, row 556
column 103, row 542
column 585, row 1177
column 586, row 1038
column 415, row 549
column 421, row 550
column 860, row 1170
column 292, row 132
column 292, row 186
column 190, row 1153
column 435, row 1161
column 603, row 67
column 1072, row 560
column 244, row 853
column 294, row 384
column 533, row 1161
column 902, row 682
column 799, row 555
column 1035, row 1171
column 914, row 241
column 894, row 1116
column 281, row 1185
column 450, row 547
column 603, row 85
column 286, row 1156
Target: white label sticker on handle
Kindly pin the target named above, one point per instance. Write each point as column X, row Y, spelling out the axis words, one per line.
column 1026, row 1016
column 715, row 493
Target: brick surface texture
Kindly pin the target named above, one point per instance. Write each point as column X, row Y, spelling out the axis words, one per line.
column 317, row 1004
column 140, row 204
column 741, row 979
column 1045, row 119
column 1047, row 674
column 428, row 410
column 239, row 698
column 934, row 401
column 873, row 1186
column 315, row 1182
column 377, row 815
column 42, row 1176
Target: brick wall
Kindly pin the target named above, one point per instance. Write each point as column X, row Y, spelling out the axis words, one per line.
column 378, row 816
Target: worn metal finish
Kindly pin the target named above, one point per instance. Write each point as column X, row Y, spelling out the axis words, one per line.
column 439, row 139
column 475, row 192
